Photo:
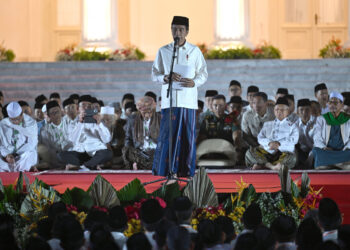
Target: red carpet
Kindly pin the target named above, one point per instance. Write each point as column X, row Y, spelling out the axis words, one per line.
column 336, row 184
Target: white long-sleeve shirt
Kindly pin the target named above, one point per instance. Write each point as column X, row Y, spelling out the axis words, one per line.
column 18, row 138
column 323, row 131
column 66, row 119
column 89, row 137
column 55, row 137
column 189, row 55
column 307, row 133
column 284, row 132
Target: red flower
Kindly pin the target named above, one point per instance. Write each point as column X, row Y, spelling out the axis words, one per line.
column 132, row 212
column 71, row 208
column 228, row 119
column 102, row 209
column 257, row 51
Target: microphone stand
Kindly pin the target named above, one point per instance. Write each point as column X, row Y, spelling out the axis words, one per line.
column 171, row 174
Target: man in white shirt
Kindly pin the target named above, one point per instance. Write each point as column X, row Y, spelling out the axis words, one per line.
column 184, row 103
column 54, row 135
column 251, row 91
column 127, row 98
column 18, row 140
column 321, row 93
column 70, row 110
column 306, row 125
column 89, row 137
column 141, row 135
column 254, row 119
column 332, row 137
column 277, row 141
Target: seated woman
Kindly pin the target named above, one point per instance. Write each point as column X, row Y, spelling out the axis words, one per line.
column 276, row 140
column 332, row 138
column 141, row 135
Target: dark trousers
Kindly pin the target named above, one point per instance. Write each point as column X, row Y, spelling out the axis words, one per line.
column 78, row 159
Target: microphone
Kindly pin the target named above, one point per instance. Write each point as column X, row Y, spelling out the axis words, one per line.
column 176, row 39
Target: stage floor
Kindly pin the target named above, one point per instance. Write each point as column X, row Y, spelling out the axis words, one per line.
column 335, row 184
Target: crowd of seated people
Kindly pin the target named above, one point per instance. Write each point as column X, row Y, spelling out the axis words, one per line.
column 169, row 227
column 82, row 133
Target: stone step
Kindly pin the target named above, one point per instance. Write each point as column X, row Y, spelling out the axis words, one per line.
column 110, row 80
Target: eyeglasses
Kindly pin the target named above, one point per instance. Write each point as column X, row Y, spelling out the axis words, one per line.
column 54, row 113
column 334, row 102
column 281, row 110
column 16, row 119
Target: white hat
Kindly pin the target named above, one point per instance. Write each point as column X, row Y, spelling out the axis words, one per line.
column 337, row 95
column 14, row 109
column 43, row 109
column 106, row 110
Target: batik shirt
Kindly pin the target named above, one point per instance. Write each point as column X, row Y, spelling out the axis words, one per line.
column 213, row 127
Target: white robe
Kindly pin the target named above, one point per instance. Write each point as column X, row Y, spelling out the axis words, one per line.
column 23, row 144
column 323, row 130
column 55, row 139
column 285, row 132
column 89, row 137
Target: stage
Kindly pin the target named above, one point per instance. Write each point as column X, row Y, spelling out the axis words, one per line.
column 335, row 184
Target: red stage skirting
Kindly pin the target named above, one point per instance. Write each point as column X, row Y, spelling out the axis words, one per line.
column 336, row 184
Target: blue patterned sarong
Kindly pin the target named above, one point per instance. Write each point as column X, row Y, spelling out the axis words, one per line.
column 335, row 156
column 184, row 143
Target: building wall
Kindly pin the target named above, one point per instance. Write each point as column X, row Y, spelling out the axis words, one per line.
column 37, row 29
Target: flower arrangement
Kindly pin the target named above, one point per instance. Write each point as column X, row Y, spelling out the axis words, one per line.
column 28, row 203
column 6, row 55
column 133, row 214
column 264, row 51
column 73, row 53
column 334, row 49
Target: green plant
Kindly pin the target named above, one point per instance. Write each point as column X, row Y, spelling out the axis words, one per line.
column 132, row 192
column 6, row 55
column 78, row 198
column 334, row 49
column 266, row 52
column 103, row 193
column 200, row 190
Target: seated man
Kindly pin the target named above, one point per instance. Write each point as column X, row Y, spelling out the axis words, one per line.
column 118, row 135
column 142, row 130
column 277, row 141
column 220, row 125
column 55, row 97
column 293, row 117
column 209, row 94
column 321, row 93
column 38, row 113
column 127, row 98
column 89, row 138
column 236, row 105
column 306, row 125
column 54, row 137
column 235, row 89
column 18, row 141
column 332, row 138
column 71, row 111
column 281, row 92
column 315, row 109
column 254, row 119
column 25, row 108
column 346, row 107
column 251, row 91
